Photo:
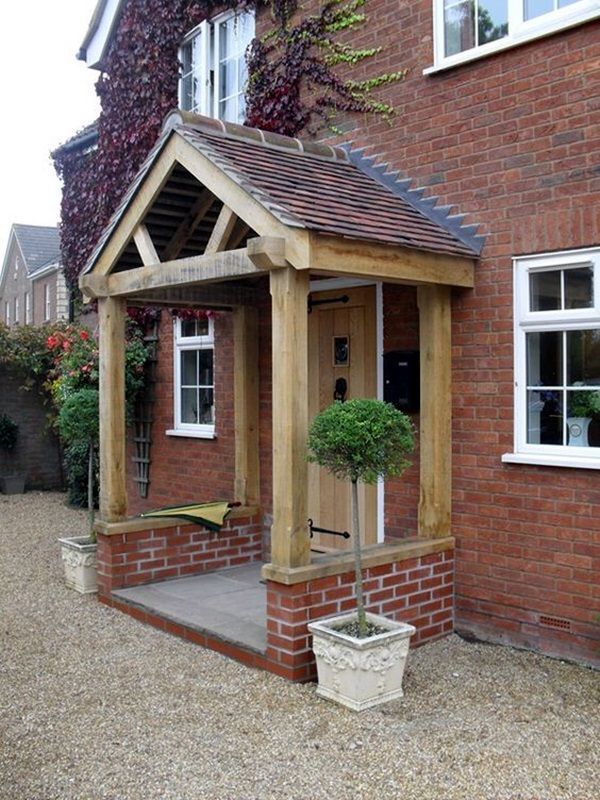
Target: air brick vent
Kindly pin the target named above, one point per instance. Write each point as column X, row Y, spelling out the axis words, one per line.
column 555, row 622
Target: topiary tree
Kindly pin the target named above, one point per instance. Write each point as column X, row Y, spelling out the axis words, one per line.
column 361, row 440
column 78, row 423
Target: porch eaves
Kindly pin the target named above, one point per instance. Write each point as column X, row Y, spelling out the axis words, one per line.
column 328, row 191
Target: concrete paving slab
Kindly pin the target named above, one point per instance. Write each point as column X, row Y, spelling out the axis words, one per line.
column 230, row 605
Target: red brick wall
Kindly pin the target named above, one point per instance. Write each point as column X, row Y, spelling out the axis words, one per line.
column 129, row 559
column 419, row 591
column 186, row 469
column 510, row 140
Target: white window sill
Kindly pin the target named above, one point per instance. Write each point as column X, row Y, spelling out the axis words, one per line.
column 192, row 434
column 546, row 28
column 551, row 461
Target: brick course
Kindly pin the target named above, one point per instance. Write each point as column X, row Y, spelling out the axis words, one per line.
column 418, row 590
column 130, row 559
column 511, row 141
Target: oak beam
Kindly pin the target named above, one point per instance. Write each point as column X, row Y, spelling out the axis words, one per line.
column 350, row 257
column 213, row 295
column 267, row 252
column 221, row 232
column 113, row 493
column 145, row 246
column 188, row 225
column 435, row 497
column 224, row 266
column 245, row 404
column 290, row 541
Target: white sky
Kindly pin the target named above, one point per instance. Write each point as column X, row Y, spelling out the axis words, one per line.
column 46, row 95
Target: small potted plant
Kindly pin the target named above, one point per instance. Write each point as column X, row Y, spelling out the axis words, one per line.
column 583, row 406
column 360, row 656
column 78, row 423
column 10, row 482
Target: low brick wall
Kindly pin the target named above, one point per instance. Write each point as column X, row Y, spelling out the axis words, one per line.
column 416, row 590
column 158, row 553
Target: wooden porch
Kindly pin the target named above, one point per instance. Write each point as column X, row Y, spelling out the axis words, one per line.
column 242, row 236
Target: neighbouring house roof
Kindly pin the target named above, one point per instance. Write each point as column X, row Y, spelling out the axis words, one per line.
column 39, row 245
column 317, row 187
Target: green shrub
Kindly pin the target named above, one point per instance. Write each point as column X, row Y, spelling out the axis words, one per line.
column 9, row 432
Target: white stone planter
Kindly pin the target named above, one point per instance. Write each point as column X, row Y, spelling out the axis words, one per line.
column 79, row 558
column 360, row 673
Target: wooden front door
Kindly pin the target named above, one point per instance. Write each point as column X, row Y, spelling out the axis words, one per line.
column 342, row 365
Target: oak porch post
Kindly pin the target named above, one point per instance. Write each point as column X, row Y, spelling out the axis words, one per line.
column 436, row 410
column 113, row 495
column 290, row 542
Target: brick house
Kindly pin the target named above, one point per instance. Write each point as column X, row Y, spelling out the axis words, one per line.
column 464, row 237
column 32, row 284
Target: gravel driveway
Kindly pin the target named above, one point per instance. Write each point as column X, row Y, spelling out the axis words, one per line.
column 95, row 705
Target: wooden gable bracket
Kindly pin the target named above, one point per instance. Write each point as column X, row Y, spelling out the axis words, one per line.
column 222, row 231
column 145, row 246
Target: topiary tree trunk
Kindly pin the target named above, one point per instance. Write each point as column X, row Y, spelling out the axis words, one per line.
column 361, row 440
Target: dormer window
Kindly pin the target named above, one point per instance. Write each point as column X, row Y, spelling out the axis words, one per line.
column 214, row 73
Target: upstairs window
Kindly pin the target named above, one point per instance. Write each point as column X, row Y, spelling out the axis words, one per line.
column 214, row 73
column 194, row 383
column 557, row 358
column 466, row 29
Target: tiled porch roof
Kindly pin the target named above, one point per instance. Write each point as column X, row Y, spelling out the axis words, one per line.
column 329, row 190
column 306, row 185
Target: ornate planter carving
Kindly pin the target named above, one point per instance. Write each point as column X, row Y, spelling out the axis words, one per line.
column 360, row 673
column 79, row 558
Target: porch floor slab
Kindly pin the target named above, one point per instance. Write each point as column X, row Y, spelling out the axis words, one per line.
column 230, row 604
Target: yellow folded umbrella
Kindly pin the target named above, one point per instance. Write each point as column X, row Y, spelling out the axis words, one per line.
column 211, row 515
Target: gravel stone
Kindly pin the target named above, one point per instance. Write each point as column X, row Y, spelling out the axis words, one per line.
column 96, row 706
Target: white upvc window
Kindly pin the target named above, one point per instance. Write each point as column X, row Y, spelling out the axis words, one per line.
column 213, row 63
column 46, row 302
column 469, row 29
column 16, row 310
column 557, row 359
column 7, row 312
column 194, row 382
column 27, row 308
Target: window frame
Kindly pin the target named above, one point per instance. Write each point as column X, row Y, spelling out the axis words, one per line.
column 182, row 344
column 520, row 30
column 526, row 321
column 208, row 33
column 27, row 308
column 47, row 309
column 17, row 310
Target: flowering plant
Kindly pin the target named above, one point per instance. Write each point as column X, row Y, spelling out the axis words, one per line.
column 76, row 364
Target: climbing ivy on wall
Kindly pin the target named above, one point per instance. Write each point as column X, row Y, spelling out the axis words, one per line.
column 293, row 85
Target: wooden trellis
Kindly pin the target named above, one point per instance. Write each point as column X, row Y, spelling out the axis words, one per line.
column 144, row 415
